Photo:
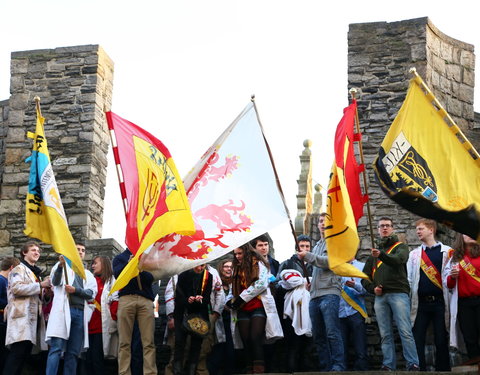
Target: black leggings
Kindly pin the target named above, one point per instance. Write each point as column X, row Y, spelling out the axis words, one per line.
column 251, row 326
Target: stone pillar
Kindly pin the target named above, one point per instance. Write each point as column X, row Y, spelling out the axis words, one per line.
column 304, row 196
column 75, row 88
column 380, row 55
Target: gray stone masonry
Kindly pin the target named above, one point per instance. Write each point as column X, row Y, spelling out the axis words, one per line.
column 75, row 88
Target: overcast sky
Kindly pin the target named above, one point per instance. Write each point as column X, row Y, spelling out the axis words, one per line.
column 185, row 69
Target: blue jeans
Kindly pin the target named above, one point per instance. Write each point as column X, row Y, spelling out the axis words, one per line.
column 398, row 306
column 354, row 330
column 326, row 332
column 71, row 347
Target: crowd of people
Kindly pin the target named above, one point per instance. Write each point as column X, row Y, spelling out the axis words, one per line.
column 236, row 312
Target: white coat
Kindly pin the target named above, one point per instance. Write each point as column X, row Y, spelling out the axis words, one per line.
column 217, row 300
column 413, row 273
column 297, row 300
column 24, row 310
column 59, row 319
column 456, row 338
column 109, row 326
column 273, row 327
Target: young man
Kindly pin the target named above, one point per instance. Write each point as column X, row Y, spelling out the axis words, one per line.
column 26, row 326
column 67, row 330
column 135, row 304
column 262, row 246
column 430, row 300
column 296, row 344
column 352, row 315
column 386, row 267
column 325, row 291
column 6, row 266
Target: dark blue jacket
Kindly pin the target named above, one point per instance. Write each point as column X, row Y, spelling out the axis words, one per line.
column 146, row 278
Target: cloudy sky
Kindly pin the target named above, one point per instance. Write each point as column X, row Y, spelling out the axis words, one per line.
column 185, row 69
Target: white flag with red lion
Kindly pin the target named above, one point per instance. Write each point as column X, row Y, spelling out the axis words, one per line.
column 233, row 195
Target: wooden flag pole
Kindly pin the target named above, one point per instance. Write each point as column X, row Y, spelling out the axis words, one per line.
column 353, row 92
column 279, row 187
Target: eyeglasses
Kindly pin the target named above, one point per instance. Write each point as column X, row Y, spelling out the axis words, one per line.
column 385, row 225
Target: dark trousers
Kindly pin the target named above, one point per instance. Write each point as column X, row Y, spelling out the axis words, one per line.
column 193, row 354
column 94, row 358
column 354, row 331
column 3, row 348
column 19, row 352
column 222, row 358
column 469, row 319
column 432, row 312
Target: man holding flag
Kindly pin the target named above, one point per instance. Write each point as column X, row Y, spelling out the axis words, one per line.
column 386, row 268
column 135, row 303
column 67, row 330
column 325, row 293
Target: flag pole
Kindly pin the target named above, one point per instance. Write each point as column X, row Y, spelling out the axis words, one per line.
column 39, row 110
column 452, row 126
column 353, row 92
column 279, row 186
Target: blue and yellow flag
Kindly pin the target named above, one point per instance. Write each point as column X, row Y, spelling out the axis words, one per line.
column 44, row 214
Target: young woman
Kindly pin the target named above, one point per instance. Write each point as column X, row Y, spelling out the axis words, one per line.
column 463, row 272
column 192, row 296
column 253, row 308
column 222, row 358
column 102, row 332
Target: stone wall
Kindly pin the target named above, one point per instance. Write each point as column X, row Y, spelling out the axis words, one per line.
column 75, row 88
column 380, row 55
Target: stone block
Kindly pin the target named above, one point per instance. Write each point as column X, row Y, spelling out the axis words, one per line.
column 467, row 59
column 9, row 192
column 10, row 206
column 453, row 72
column 446, row 52
column 17, row 83
column 19, row 101
column 465, row 93
column 15, row 178
column 15, row 134
column 15, row 155
column 469, row 77
column 18, row 65
column 79, row 169
column 70, row 139
column 78, row 219
column 438, row 65
column 86, row 136
column 4, row 240
column 65, row 161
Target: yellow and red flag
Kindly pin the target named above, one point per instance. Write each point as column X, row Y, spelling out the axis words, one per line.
column 45, row 217
column 345, row 199
column 153, row 193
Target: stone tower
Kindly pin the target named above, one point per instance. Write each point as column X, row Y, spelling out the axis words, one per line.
column 75, row 88
column 380, row 55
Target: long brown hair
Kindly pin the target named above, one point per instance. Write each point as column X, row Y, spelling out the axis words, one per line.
column 460, row 247
column 247, row 269
column 225, row 280
column 107, row 271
